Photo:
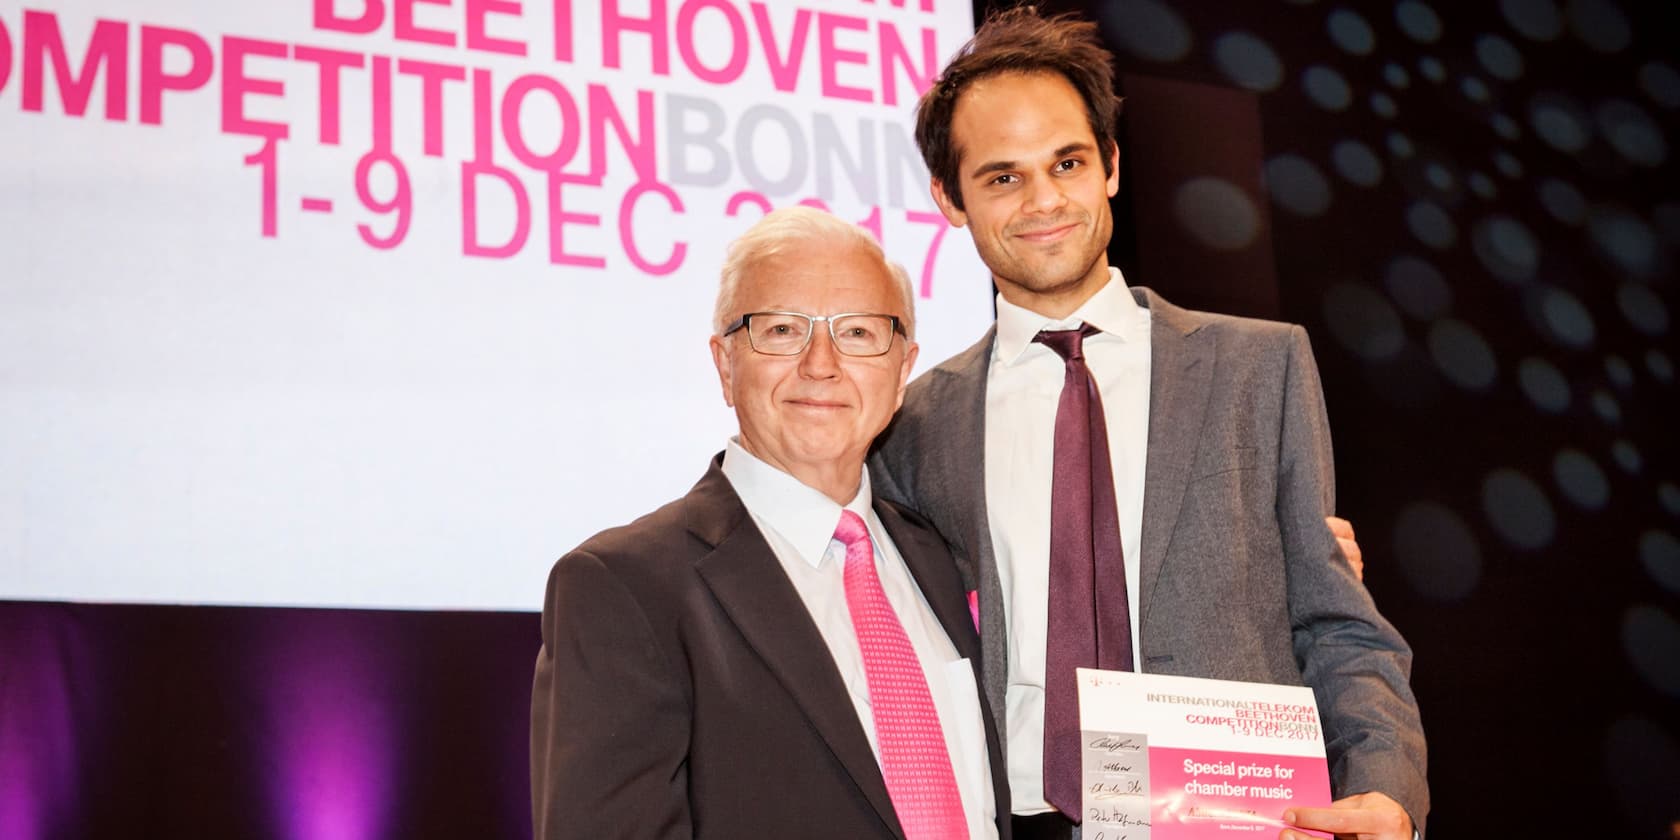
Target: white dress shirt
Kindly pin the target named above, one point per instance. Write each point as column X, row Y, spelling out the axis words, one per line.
column 798, row 522
column 1023, row 386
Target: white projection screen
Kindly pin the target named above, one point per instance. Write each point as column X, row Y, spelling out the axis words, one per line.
column 388, row 303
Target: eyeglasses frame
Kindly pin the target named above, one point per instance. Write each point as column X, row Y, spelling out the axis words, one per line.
column 740, row 323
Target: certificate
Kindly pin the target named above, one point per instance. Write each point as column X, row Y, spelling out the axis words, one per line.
column 1181, row 758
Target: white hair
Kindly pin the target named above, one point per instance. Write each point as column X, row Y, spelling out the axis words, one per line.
column 783, row 230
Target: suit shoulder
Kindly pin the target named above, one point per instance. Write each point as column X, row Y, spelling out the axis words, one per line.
column 1243, row 325
column 963, row 365
column 1244, row 335
column 936, row 389
column 646, row 545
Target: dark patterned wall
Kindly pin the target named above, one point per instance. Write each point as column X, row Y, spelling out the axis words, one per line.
column 1473, row 207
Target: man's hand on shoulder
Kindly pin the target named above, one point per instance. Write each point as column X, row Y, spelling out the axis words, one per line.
column 1343, row 530
column 1363, row 816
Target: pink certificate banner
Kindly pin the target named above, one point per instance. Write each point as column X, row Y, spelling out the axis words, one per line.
column 1216, row 795
column 1182, row 758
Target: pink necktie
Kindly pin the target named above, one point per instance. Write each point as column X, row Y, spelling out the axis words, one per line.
column 914, row 762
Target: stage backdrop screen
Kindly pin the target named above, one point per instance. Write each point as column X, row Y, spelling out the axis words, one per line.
column 389, row 303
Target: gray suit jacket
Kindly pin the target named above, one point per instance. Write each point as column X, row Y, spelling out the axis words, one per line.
column 683, row 690
column 1240, row 578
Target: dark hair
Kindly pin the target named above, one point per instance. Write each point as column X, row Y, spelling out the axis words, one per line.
column 1018, row 40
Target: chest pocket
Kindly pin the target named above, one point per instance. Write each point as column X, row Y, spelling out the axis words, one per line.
column 1218, row 460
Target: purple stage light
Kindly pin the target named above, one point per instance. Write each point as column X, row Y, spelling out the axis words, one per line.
column 38, row 746
column 329, row 701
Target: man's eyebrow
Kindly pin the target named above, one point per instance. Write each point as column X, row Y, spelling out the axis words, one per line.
column 993, row 166
column 1005, row 165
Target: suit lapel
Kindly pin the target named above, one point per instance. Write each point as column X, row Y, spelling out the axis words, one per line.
column 1180, row 379
column 748, row 582
column 935, row 577
column 959, row 461
column 959, row 401
column 960, row 464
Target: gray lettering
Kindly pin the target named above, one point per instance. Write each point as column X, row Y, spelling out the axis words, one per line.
column 831, row 149
column 793, row 141
column 902, row 158
column 686, row 140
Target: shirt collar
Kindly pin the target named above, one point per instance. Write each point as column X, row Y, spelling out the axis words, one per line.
column 1111, row 309
column 801, row 514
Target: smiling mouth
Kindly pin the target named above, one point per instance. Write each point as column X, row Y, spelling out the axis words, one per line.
column 817, row 404
column 1050, row 234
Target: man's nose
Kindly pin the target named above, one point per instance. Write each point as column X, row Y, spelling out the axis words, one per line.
column 821, row 359
column 1044, row 195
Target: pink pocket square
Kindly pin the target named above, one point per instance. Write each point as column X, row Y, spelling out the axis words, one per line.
column 974, row 607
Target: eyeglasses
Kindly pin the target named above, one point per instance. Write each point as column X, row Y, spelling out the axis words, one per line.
column 789, row 333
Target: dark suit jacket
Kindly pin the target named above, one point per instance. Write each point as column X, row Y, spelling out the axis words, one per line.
column 1240, row 578
column 683, row 689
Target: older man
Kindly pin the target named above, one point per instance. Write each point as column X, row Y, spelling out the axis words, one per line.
column 778, row 652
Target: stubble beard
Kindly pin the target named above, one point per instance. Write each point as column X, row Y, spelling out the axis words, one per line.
column 1045, row 280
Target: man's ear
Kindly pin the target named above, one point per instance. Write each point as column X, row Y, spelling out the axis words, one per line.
column 1114, row 171
column 725, row 368
column 912, row 349
column 953, row 214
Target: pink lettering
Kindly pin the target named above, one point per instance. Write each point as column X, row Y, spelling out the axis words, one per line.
column 737, row 62
column 405, row 29
column 614, row 23
column 107, row 51
column 267, row 160
column 784, row 67
column 405, row 25
column 471, row 246
column 627, row 231
column 432, row 76
column 327, row 17
column 481, row 165
column 236, row 86
column 328, row 64
column 484, row 145
column 563, row 30
column 894, row 52
column 927, row 5
column 833, row 55
column 400, row 203
column 477, row 39
column 379, row 109
column 5, row 55
column 154, row 80
column 640, row 149
column 512, row 104
column 873, row 225
column 559, row 218
column 733, row 206
column 940, row 228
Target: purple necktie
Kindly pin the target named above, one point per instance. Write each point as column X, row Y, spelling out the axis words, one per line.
column 1084, row 631
column 914, row 761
